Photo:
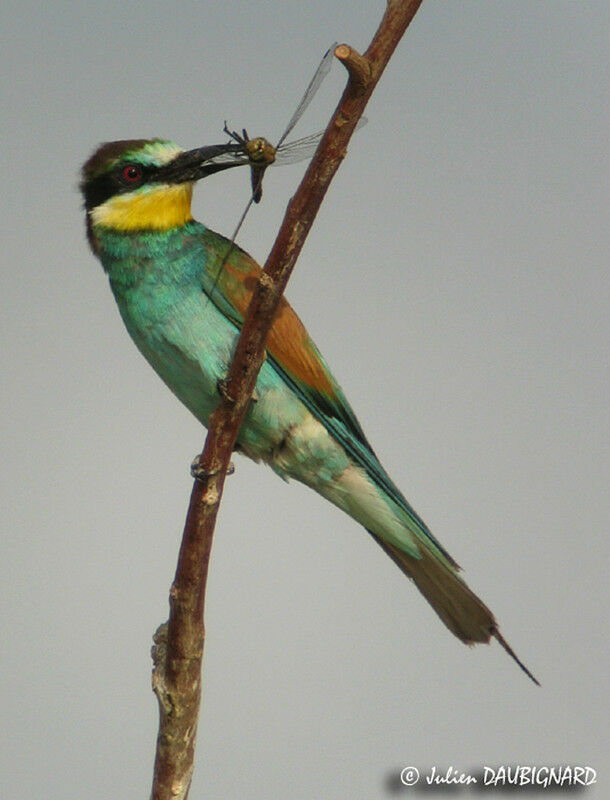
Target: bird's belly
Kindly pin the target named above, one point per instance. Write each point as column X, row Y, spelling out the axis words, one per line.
column 190, row 343
column 189, row 351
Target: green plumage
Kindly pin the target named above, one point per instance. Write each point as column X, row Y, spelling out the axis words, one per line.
column 182, row 292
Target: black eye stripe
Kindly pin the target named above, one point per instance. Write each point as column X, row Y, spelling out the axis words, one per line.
column 109, row 184
column 98, row 190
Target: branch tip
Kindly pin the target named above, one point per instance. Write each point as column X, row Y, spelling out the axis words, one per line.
column 358, row 67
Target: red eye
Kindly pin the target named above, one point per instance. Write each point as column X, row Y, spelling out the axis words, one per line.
column 131, row 173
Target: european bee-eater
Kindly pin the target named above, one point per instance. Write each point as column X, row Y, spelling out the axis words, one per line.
column 182, row 291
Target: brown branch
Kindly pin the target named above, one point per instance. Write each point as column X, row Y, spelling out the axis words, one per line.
column 178, row 649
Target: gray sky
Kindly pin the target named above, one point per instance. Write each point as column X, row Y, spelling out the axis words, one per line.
column 455, row 281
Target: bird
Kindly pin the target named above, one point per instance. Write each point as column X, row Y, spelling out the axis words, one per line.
column 182, row 291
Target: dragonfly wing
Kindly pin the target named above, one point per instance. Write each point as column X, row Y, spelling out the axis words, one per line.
column 300, row 149
column 313, row 87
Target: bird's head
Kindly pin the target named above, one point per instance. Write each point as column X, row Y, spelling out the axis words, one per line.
column 145, row 184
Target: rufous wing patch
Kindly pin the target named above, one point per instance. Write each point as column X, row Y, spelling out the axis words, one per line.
column 288, row 342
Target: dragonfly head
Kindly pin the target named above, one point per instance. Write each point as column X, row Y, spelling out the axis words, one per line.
column 260, row 151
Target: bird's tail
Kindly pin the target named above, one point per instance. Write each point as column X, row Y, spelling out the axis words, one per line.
column 459, row 608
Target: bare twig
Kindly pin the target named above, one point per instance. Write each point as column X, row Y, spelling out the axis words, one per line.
column 359, row 68
column 179, row 645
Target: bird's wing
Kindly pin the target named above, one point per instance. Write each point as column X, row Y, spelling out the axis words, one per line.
column 289, row 346
column 294, row 355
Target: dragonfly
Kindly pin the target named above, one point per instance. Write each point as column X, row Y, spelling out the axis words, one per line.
column 259, row 153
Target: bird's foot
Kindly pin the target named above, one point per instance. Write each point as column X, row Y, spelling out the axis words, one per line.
column 222, row 388
column 201, row 474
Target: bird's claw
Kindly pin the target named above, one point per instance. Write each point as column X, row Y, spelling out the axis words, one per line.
column 222, row 388
column 200, row 474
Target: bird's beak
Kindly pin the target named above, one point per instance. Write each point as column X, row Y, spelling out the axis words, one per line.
column 192, row 165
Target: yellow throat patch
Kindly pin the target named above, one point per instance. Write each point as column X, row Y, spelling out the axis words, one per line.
column 158, row 207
